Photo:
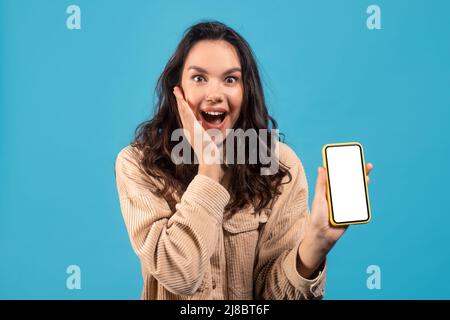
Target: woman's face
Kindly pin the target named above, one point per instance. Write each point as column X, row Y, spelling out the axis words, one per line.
column 212, row 84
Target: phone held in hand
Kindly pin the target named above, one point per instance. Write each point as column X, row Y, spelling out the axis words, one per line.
column 348, row 196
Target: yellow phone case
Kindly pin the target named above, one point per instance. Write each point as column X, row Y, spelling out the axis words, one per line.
column 334, row 223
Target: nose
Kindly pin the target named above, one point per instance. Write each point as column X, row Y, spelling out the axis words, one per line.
column 214, row 94
column 214, row 98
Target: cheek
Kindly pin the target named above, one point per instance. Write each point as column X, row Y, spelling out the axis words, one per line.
column 193, row 96
column 236, row 98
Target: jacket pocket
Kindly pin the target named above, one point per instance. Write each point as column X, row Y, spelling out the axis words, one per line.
column 241, row 240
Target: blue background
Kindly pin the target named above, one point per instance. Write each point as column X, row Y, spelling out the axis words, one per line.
column 71, row 99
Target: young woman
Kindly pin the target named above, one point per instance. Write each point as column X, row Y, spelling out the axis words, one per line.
column 211, row 230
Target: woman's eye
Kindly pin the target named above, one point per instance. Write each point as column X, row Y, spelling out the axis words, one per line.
column 198, row 78
column 231, row 79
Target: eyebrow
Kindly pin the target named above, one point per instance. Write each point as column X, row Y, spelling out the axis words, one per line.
column 200, row 69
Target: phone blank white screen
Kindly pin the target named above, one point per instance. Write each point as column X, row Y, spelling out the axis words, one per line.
column 346, row 176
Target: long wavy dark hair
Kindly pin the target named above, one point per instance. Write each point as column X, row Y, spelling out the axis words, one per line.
column 153, row 137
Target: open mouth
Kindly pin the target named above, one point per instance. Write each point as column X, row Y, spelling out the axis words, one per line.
column 214, row 117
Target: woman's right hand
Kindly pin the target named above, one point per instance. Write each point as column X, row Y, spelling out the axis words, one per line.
column 194, row 130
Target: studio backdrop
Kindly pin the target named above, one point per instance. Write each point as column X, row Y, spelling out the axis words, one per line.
column 77, row 77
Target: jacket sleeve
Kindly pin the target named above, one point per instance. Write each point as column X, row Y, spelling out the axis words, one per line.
column 276, row 275
column 174, row 246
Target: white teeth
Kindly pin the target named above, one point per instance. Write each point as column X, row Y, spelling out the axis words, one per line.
column 213, row 113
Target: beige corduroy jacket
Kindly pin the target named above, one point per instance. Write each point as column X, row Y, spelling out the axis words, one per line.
column 202, row 252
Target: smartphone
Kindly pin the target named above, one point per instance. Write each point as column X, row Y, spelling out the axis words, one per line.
column 348, row 196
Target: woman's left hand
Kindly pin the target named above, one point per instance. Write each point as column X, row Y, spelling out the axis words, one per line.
column 320, row 234
column 320, row 221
